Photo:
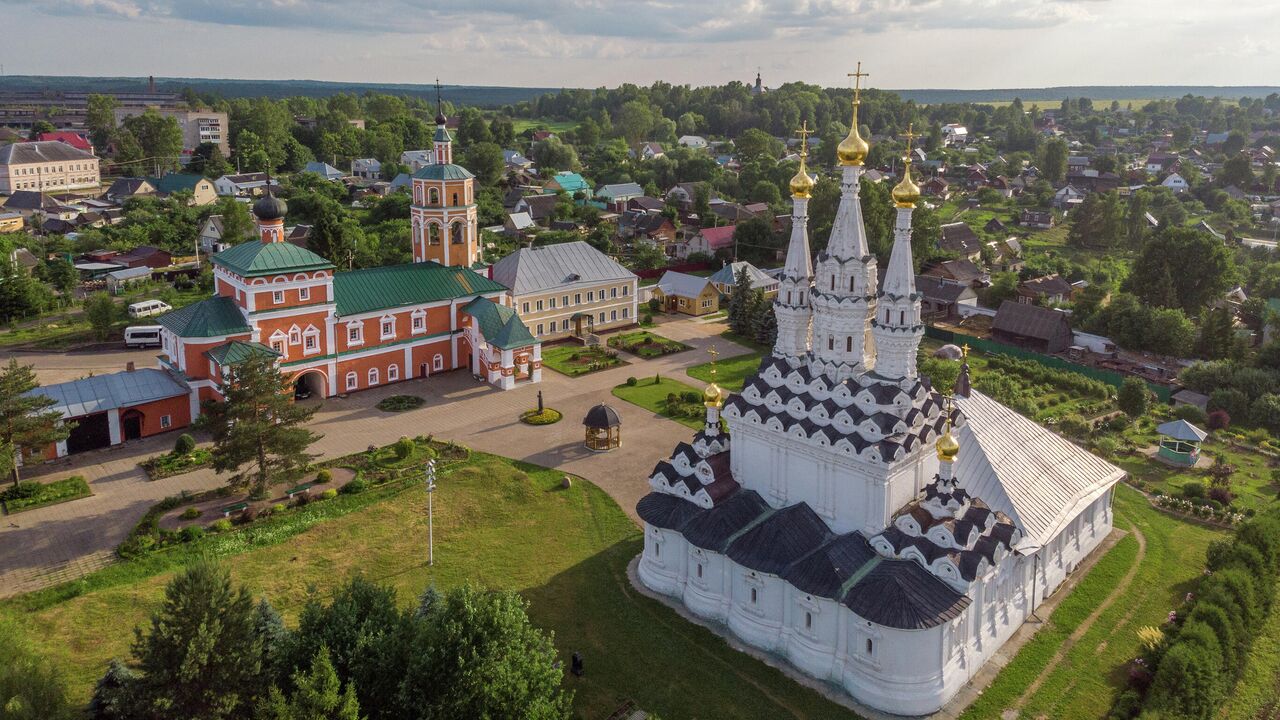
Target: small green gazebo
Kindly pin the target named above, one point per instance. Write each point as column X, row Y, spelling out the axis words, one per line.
column 1180, row 442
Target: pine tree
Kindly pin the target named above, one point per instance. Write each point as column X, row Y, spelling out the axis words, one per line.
column 113, row 696
column 763, row 322
column 258, row 423
column 27, row 421
column 317, row 695
column 740, row 298
column 202, row 656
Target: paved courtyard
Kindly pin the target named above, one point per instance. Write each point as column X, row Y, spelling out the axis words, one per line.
column 49, row 545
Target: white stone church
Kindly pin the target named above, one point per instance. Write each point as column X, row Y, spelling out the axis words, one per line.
column 875, row 533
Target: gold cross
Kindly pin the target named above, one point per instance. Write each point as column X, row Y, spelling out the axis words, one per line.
column 964, row 351
column 804, row 133
column 857, row 76
column 909, row 135
column 713, row 352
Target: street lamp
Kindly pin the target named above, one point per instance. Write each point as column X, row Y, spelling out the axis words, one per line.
column 431, row 491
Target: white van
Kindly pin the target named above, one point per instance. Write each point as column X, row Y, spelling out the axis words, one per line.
column 147, row 308
column 141, row 336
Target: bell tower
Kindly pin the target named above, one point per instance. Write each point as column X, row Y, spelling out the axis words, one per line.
column 443, row 213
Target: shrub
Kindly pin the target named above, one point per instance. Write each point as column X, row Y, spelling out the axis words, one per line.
column 184, row 444
column 402, row 448
column 356, row 486
column 278, row 508
column 691, row 396
column 1118, row 423
column 1221, row 495
column 324, row 475
column 222, row 525
column 329, row 494
column 302, row 499
column 654, row 305
column 21, row 491
column 191, row 533
column 1074, row 426
column 631, row 382
column 191, row 513
column 1193, row 490
column 247, row 515
column 1134, row 397
column 1218, row 420
column 1191, row 414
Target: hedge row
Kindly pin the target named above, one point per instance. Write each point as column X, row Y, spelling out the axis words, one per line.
column 1202, row 654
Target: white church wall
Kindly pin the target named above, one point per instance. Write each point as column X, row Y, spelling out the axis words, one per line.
column 812, row 630
column 756, row 606
column 662, row 565
column 706, row 596
column 899, row 672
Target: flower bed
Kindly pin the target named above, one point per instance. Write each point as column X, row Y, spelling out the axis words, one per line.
column 573, row 361
column 1199, row 511
column 170, row 464
column 646, row 344
column 30, row 495
column 401, row 403
column 547, row 416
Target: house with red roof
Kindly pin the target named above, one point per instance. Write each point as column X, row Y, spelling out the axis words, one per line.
column 75, row 140
column 707, row 240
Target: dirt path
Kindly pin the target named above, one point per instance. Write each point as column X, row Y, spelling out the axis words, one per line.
column 1079, row 632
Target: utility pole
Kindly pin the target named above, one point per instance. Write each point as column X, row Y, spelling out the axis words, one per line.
column 431, row 516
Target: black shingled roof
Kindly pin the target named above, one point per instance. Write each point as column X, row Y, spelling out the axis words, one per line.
column 778, row 541
column 712, row 529
column 825, row 570
column 666, row 511
column 901, row 594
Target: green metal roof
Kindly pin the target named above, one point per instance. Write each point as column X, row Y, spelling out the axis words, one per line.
column 499, row 324
column 214, row 317
column 234, row 352
column 362, row 291
column 176, row 182
column 442, row 134
column 254, row 258
column 447, row 171
column 570, row 182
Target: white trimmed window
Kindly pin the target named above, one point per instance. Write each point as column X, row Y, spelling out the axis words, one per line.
column 539, row 306
column 613, row 292
column 304, row 293
column 311, row 340
column 526, row 308
column 540, row 329
column 277, row 297
column 437, row 363
column 626, row 290
column 295, row 335
column 393, row 373
column 373, row 376
column 355, row 334
column 165, row 421
column 601, row 317
column 564, row 301
column 388, row 327
column 352, row 380
column 613, row 315
column 552, row 303
column 419, row 322
column 626, row 312
column 564, row 324
column 591, row 296
column 577, row 298
column 278, row 340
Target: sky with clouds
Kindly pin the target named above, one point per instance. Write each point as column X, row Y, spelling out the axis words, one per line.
column 588, row 43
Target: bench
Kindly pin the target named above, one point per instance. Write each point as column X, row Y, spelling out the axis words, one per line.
column 298, row 489
column 226, row 511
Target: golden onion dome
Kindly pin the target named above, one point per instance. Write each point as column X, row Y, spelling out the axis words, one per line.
column 853, row 150
column 801, row 183
column 906, row 192
column 712, row 395
column 948, row 446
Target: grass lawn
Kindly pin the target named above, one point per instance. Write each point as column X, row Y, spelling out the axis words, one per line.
column 498, row 523
column 32, row 494
column 646, row 344
column 522, row 124
column 745, row 341
column 653, row 396
column 1258, row 690
column 1093, row 672
column 1251, row 482
column 730, row 372
column 67, row 327
column 575, row 360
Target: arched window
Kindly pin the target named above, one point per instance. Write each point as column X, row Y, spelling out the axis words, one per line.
column 433, row 234
column 833, row 282
column 870, row 647
column 437, row 363
column 373, row 376
column 848, row 343
column 455, row 200
column 831, row 342
column 433, row 196
column 351, row 381
column 851, row 284
column 808, row 620
column 753, row 596
column 393, row 373
column 456, row 232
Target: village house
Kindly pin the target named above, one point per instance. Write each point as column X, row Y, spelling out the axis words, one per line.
column 1047, row 290
column 1067, row 198
column 244, row 184
column 959, row 272
column 144, row 256
column 119, row 280
column 202, row 190
column 76, row 140
column 683, row 195
column 619, row 194
column 127, row 187
column 1006, row 255
column 960, row 239
column 366, row 168
column 50, row 166
column 568, row 289
column 1038, row 219
column 324, row 170
column 1031, row 327
column 647, row 151
column 936, row 187
column 652, row 227
column 726, row 279
column 686, row 294
column 11, row 221
column 515, row 160
column 541, row 208
column 693, row 142
column 708, row 241
column 941, row 299
column 570, row 183
column 416, row 159
column 1176, row 183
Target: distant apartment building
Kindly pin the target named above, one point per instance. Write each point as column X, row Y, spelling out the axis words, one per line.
column 51, row 166
column 198, row 126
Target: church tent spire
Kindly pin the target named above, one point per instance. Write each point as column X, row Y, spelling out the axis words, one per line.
column 791, row 307
column 897, row 327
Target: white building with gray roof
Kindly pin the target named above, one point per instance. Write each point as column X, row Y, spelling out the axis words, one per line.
column 568, row 289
